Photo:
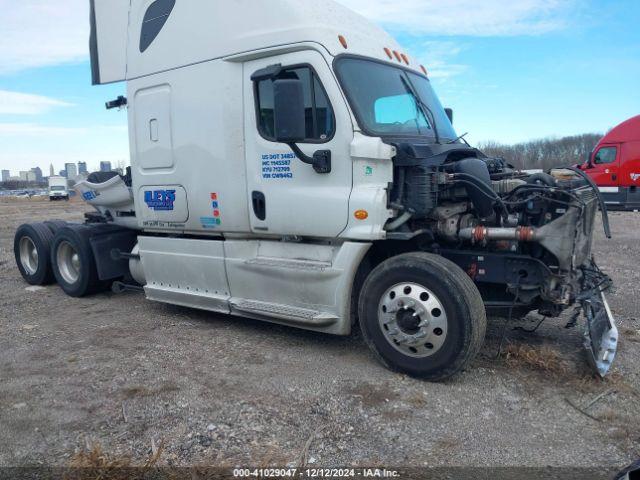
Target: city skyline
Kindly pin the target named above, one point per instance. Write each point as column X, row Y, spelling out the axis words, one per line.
column 90, row 167
column 38, row 172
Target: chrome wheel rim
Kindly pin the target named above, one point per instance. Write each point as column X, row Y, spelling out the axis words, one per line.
column 68, row 262
column 413, row 320
column 28, row 255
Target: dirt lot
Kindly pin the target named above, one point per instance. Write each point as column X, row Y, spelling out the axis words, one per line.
column 125, row 373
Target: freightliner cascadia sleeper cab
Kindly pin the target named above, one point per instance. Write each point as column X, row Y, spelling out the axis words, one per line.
column 614, row 165
column 291, row 163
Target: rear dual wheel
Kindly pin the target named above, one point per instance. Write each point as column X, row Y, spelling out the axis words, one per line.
column 55, row 225
column 57, row 251
column 32, row 250
column 422, row 315
column 73, row 263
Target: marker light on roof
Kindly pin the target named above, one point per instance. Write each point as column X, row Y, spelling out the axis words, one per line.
column 405, row 58
column 388, row 52
column 422, row 67
column 398, row 57
column 343, row 41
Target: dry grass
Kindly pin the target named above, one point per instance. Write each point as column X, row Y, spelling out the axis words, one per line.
column 447, row 444
column 417, row 399
column 38, row 200
column 19, row 200
column 631, row 335
column 141, row 391
column 544, row 359
column 92, row 462
column 609, row 415
column 619, row 382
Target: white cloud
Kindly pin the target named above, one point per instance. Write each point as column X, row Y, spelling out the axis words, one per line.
column 35, row 130
column 439, row 57
column 37, row 33
column 26, row 145
column 442, row 70
column 466, row 17
column 15, row 103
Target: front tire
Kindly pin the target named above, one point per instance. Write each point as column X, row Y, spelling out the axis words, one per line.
column 73, row 262
column 422, row 315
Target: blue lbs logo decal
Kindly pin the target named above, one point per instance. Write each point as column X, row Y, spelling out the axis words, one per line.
column 90, row 195
column 160, row 200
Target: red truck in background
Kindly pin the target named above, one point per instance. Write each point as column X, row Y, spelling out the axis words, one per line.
column 614, row 165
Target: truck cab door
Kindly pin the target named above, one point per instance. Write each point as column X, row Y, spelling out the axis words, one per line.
column 605, row 172
column 287, row 196
column 605, row 166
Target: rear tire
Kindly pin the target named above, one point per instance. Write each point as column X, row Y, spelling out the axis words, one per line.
column 73, row 262
column 55, row 225
column 32, row 250
column 422, row 315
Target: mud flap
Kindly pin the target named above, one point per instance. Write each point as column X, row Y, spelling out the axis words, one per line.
column 601, row 334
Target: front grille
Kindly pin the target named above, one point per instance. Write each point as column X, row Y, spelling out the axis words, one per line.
column 588, row 203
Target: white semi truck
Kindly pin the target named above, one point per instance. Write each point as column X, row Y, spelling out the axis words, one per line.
column 291, row 163
column 58, row 188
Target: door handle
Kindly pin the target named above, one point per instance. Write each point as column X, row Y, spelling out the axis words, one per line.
column 259, row 203
column 614, row 177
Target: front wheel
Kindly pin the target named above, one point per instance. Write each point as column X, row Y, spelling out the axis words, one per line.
column 422, row 315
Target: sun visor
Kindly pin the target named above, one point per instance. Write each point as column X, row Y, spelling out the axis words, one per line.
column 108, row 41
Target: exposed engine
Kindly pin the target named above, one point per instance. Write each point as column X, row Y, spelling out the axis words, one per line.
column 525, row 239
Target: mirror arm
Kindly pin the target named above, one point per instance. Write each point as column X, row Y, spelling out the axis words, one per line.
column 321, row 160
column 300, row 154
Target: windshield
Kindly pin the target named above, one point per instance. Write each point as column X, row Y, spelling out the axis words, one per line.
column 383, row 97
column 56, row 188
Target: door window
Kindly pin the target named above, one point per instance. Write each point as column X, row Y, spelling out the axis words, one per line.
column 605, row 155
column 319, row 116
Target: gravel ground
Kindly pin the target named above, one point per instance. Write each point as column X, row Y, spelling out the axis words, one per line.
column 124, row 372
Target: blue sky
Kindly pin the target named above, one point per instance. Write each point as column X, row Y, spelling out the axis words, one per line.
column 511, row 70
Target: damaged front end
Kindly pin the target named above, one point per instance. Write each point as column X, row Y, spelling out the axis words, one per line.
column 524, row 239
column 601, row 333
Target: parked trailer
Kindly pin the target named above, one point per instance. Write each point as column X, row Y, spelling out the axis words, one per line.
column 614, row 165
column 290, row 163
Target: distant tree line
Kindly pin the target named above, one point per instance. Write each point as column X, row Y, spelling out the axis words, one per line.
column 545, row 153
column 21, row 185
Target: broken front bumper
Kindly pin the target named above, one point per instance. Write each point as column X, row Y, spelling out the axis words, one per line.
column 601, row 333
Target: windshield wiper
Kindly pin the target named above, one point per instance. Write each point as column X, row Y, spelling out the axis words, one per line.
column 461, row 137
column 426, row 111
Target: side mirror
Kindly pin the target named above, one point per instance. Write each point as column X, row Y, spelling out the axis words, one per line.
column 289, row 117
column 449, row 112
column 288, row 111
column 589, row 162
